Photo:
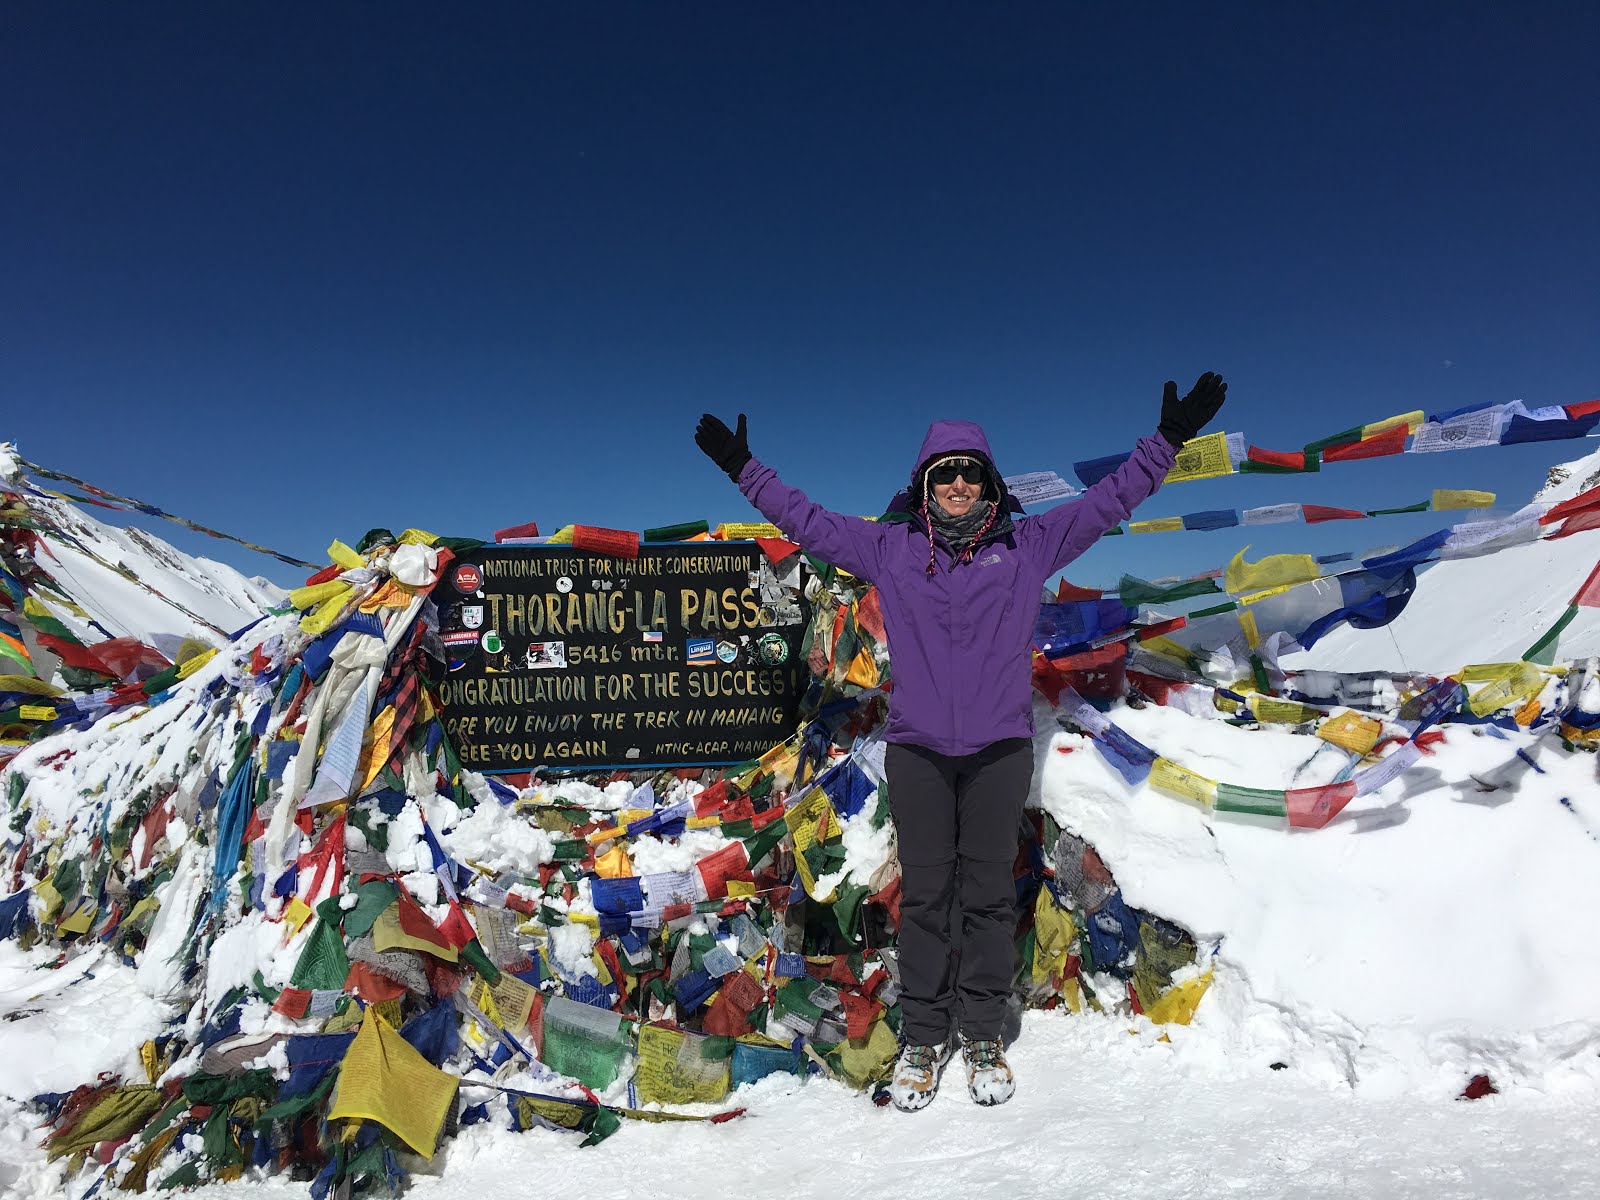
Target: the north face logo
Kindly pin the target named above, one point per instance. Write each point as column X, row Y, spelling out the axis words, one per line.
column 990, row 561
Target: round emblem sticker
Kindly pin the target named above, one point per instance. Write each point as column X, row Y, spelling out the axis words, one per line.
column 728, row 651
column 564, row 584
column 491, row 642
column 772, row 649
column 467, row 578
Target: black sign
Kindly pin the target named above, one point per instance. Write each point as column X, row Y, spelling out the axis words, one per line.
column 564, row 659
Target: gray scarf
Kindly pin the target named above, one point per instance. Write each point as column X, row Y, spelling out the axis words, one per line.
column 958, row 532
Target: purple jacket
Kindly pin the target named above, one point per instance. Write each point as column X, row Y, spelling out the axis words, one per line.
column 959, row 639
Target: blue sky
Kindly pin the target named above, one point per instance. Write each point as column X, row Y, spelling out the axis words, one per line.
column 294, row 271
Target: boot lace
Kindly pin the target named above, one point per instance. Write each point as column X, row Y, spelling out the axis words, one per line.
column 919, row 1058
column 984, row 1055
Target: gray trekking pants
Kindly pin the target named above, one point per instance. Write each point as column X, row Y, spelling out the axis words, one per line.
column 957, row 819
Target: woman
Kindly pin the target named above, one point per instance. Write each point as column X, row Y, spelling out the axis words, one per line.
column 959, row 577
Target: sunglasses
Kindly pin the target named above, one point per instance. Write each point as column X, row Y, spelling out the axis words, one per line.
column 946, row 473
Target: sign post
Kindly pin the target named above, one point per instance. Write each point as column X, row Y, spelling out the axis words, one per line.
column 564, row 659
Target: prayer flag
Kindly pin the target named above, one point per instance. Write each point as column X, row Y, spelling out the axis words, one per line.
column 384, row 1079
column 1391, row 441
column 1448, row 498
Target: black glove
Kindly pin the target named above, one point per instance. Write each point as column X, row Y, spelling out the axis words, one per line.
column 1182, row 419
column 727, row 449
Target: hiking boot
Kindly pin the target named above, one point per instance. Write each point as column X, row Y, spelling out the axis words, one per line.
column 989, row 1078
column 916, row 1075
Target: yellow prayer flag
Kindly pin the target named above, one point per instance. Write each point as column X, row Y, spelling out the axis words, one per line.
column 1281, row 712
column 1448, row 498
column 418, row 537
column 36, row 712
column 375, row 749
column 741, row 887
column 1271, row 571
column 1204, row 457
column 193, row 663
column 1180, row 781
column 562, row 536
column 1056, row 934
column 1176, row 1005
column 316, row 593
column 613, row 864
column 779, row 762
column 343, row 556
column 296, row 913
column 811, row 821
column 149, row 1061
column 391, row 593
column 1411, row 420
column 387, row 934
column 1156, row 525
column 49, row 899
column 678, row 1068
column 384, row 1079
column 1501, row 693
column 81, row 920
column 1167, row 648
column 321, row 618
column 1255, row 597
column 1247, row 622
column 27, row 684
column 1351, row 731
column 1485, row 672
column 746, row 531
column 863, row 670
column 861, row 1061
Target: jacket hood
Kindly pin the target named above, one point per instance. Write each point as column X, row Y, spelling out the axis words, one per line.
column 946, row 437
column 950, row 437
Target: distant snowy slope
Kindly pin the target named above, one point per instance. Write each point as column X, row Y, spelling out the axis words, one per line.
column 1480, row 610
column 212, row 591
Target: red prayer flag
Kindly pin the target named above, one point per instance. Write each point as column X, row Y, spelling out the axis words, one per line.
column 292, row 1002
column 1589, row 594
column 457, row 927
column 731, row 862
column 414, row 922
column 1294, row 460
column 372, row 986
column 1583, row 502
column 1314, row 807
column 1315, row 514
column 1390, row 441
column 1576, row 411
column 1070, row 591
column 1160, row 628
column 712, row 801
column 869, row 615
column 1578, row 523
column 777, row 549
column 530, row 530
column 623, row 543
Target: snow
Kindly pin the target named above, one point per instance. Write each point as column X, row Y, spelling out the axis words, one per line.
column 1430, row 926
column 1098, row 1113
column 1437, row 929
column 1481, row 610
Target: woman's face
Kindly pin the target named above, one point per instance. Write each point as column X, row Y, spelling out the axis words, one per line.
column 958, row 495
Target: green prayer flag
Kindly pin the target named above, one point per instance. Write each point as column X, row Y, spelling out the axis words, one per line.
column 1420, row 506
column 323, row 964
column 676, row 533
column 1267, row 802
column 1134, row 591
column 1543, row 651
